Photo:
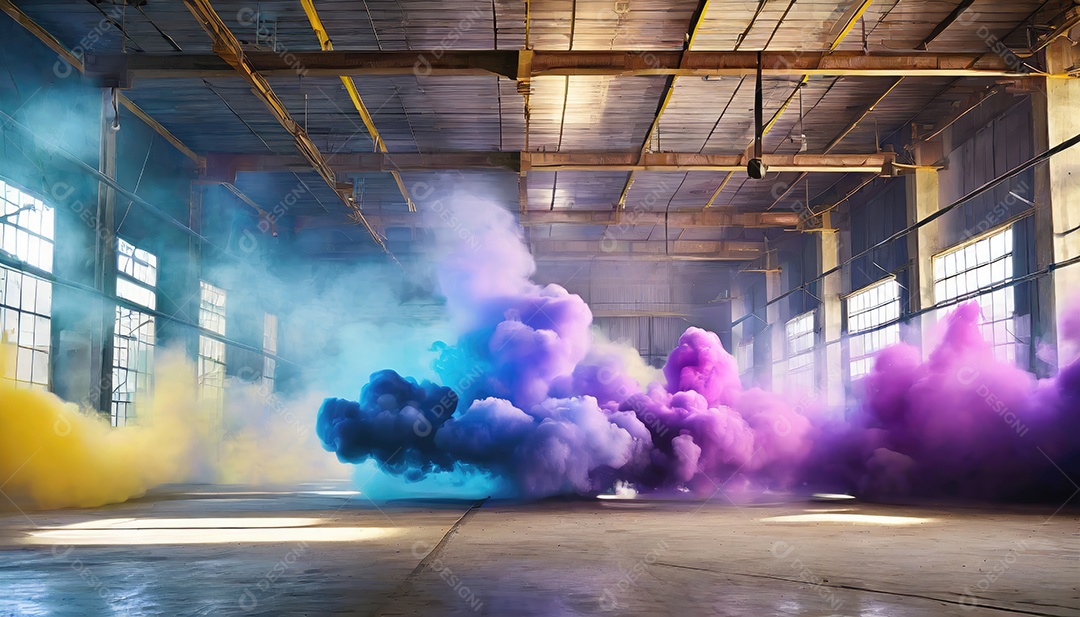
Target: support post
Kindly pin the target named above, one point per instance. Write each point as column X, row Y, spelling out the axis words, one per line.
column 922, row 200
column 774, row 332
column 830, row 368
column 105, row 251
column 1057, row 195
column 738, row 311
column 178, row 280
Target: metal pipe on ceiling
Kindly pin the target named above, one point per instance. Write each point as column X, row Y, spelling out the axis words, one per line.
column 756, row 167
column 945, row 23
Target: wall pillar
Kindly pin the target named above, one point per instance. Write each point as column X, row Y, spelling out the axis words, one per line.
column 923, row 200
column 1057, row 201
column 105, row 252
column 178, row 282
column 774, row 334
column 829, row 360
column 740, row 307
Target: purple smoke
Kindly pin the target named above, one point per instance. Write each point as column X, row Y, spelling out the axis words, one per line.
column 532, row 399
column 961, row 424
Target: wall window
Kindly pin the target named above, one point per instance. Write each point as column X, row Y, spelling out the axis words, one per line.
column 867, row 309
column 800, row 353
column 211, row 351
column 977, row 266
column 134, row 334
column 26, row 234
column 270, row 333
column 745, row 357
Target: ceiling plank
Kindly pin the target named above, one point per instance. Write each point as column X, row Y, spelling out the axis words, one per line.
column 68, row 56
column 354, row 96
column 231, row 51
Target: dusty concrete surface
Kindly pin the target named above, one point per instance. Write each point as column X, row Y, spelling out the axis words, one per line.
column 321, row 550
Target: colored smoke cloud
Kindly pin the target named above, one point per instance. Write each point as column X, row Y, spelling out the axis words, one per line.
column 960, row 424
column 55, row 455
column 535, row 400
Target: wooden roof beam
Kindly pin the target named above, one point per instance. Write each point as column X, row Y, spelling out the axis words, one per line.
column 124, row 68
column 679, row 250
column 682, row 220
column 225, row 166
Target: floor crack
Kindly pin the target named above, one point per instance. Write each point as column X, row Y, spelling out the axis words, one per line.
column 410, row 581
column 1016, row 611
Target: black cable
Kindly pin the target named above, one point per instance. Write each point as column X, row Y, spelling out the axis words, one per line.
column 1065, row 145
column 116, row 186
column 13, row 262
column 117, row 25
column 971, row 295
column 759, row 110
column 168, row 39
column 750, row 26
column 138, row 182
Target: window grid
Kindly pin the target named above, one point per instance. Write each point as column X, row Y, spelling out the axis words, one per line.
column 270, row 335
column 745, row 358
column 211, row 351
column 867, row 309
column 800, row 352
column 134, row 334
column 26, row 233
column 976, row 266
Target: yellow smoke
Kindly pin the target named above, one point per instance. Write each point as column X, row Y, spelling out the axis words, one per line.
column 54, row 455
column 631, row 361
column 271, row 441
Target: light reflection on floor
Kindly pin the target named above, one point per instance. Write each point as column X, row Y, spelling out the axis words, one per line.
column 842, row 517
column 149, row 531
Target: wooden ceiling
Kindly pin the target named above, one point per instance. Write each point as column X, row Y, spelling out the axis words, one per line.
column 420, row 113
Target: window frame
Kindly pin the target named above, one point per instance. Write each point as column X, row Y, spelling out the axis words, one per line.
column 989, row 267
column 25, row 298
column 133, row 347
column 866, row 337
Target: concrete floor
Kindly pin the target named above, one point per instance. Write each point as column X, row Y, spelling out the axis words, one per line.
column 317, row 550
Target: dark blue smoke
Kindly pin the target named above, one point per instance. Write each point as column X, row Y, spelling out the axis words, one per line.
column 394, row 422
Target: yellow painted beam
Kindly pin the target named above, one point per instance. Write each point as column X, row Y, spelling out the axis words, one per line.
column 229, row 48
column 691, row 37
column 719, row 189
column 859, row 12
column 354, row 96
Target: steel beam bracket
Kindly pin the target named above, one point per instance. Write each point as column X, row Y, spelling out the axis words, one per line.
column 108, row 71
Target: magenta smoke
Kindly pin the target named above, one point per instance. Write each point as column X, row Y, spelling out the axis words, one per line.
column 530, row 398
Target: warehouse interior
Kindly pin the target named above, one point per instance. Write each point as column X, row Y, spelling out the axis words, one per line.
column 539, row 307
